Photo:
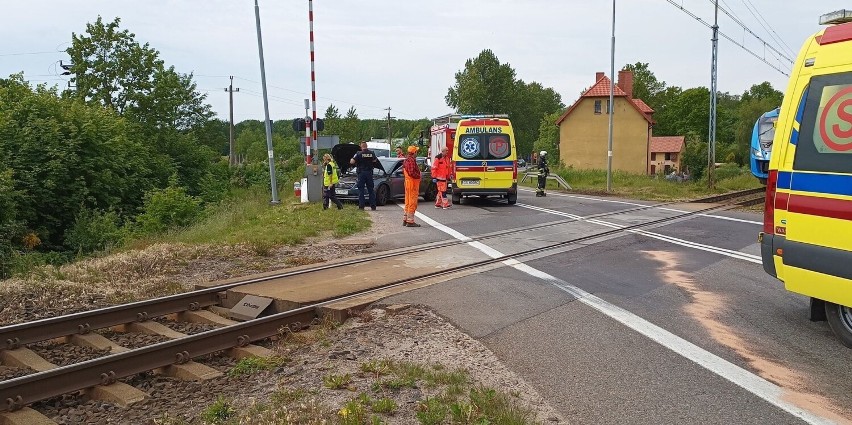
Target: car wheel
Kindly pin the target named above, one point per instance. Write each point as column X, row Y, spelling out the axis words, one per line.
column 382, row 195
column 457, row 198
column 512, row 198
column 431, row 192
column 840, row 321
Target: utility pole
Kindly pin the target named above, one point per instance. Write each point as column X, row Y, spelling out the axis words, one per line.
column 273, row 184
column 611, row 106
column 390, row 135
column 711, row 140
column 232, row 157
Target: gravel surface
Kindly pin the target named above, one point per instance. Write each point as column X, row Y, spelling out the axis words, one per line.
column 413, row 336
column 62, row 354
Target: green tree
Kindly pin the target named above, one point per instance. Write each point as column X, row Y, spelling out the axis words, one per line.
column 66, row 155
column 487, row 86
column 646, row 86
column 548, row 137
column 333, row 121
column 351, row 130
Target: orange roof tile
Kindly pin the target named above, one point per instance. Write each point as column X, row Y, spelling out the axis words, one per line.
column 643, row 106
column 601, row 88
column 667, row 143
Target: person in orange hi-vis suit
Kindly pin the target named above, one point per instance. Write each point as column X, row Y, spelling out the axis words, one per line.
column 441, row 172
column 412, row 186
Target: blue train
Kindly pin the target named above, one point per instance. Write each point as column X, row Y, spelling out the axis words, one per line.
column 761, row 144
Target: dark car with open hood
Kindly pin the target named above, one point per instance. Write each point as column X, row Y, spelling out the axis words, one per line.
column 388, row 178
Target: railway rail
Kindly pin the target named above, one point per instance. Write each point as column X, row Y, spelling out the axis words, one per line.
column 22, row 391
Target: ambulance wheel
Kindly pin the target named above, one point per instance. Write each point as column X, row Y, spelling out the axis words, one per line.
column 457, row 198
column 512, row 198
column 840, row 321
column 382, row 195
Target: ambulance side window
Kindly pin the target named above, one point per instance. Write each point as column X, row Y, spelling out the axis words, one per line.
column 825, row 131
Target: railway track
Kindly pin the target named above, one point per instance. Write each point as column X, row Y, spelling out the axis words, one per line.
column 105, row 371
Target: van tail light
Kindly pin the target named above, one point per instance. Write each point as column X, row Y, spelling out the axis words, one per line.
column 514, row 170
column 769, row 206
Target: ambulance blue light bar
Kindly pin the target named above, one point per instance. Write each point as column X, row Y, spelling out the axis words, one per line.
column 837, row 17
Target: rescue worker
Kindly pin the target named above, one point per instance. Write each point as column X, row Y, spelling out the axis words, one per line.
column 329, row 180
column 412, row 186
column 441, row 173
column 543, row 171
column 364, row 162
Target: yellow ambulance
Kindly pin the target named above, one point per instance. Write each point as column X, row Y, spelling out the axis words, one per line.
column 807, row 227
column 485, row 159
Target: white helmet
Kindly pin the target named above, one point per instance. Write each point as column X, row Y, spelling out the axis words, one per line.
column 543, row 153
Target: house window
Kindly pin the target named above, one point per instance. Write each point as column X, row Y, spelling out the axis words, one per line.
column 607, row 107
column 668, row 156
column 653, row 157
column 597, row 107
column 674, row 157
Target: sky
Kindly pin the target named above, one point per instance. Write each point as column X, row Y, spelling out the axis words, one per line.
column 375, row 54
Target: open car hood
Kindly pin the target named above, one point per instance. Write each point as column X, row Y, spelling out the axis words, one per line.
column 342, row 153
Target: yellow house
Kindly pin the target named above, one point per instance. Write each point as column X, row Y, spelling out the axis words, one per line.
column 584, row 128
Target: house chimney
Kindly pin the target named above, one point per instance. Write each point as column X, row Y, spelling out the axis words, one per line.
column 625, row 81
column 598, row 76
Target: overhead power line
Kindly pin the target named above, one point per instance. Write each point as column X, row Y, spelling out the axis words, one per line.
column 747, row 29
column 740, row 45
column 770, row 30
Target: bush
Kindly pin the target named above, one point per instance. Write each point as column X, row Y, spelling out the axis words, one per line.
column 168, row 208
column 729, row 171
column 94, row 230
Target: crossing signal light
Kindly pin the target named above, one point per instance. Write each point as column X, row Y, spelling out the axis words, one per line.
column 299, row 124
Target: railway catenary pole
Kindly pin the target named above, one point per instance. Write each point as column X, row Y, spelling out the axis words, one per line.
column 711, row 139
column 313, row 80
column 270, row 153
column 610, row 107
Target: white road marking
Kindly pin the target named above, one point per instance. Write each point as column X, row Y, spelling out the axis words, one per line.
column 677, row 241
column 613, row 201
column 750, row 382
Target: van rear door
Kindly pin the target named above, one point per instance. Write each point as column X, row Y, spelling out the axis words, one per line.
column 819, row 205
column 488, row 156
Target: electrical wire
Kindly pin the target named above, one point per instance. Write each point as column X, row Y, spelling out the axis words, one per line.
column 747, row 29
column 740, row 45
column 770, row 30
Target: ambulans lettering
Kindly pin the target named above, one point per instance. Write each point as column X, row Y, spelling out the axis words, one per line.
column 483, row 130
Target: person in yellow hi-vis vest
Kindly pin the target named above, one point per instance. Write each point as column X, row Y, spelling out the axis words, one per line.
column 329, row 180
column 412, row 186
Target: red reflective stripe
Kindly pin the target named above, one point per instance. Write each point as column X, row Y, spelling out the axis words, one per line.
column 781, row 199
column 470, row 169
column 824, row 207
column 836, row 34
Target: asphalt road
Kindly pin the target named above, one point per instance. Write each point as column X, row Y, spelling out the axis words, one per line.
column 676, row 325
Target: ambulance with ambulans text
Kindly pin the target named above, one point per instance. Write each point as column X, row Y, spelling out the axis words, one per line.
column 806, row 240
column 485, row 158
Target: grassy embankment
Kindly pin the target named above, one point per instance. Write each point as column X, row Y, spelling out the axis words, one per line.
column 248, row 218
column 729, row 178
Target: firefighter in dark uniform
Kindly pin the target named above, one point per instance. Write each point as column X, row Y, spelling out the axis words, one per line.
column 364, row 162
column 543, row 171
